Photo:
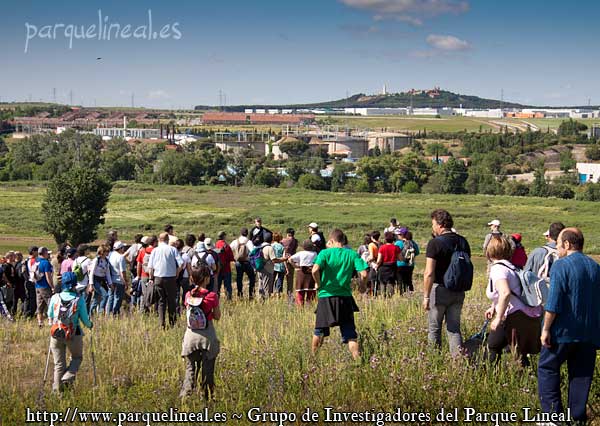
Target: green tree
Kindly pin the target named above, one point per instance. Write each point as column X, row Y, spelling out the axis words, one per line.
column 592, row 152
column 449, row 178
column 339, row 176
column 571, row 128
column 294, row 148
column 267, row 177
column 567, row 162
column 436, row 149
column 312, row 181
column 539, row 187
column 75, row 204
column 118, row 161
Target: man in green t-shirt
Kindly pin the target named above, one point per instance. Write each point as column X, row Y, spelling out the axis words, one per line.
column 332, row 272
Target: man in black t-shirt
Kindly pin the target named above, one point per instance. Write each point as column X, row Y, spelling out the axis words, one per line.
column 438, row 301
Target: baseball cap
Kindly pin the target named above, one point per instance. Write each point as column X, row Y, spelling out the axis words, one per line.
column 42, row 250
column 517, row 237
column 494, row 222
column 221, row 235
column 145, row 240
column 403, row 230
column 118, row 245
column 208, row 243
column 547, row 233
column 313, row 225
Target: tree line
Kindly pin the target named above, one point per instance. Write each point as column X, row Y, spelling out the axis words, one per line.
column 487, row 161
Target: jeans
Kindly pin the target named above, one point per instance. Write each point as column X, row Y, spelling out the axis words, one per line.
column 100, row 295
column 225, row 277
column 265, row 283
column 166, row 287
column 31, row 299
column 581, row 362
column 278, row 286
column 405, row 278
column 445, row 304
column 183, row 286
column 115, row 298
column 240, row 269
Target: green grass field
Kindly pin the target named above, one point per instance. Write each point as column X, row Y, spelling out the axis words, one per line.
column 399, row 123
column 140, row 208
column 264, row 360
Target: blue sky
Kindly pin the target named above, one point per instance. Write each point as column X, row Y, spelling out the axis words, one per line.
column 274, row 51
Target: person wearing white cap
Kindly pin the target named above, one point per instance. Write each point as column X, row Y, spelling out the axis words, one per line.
column 316, row 236
column 116, row 258
column 203, row 255
column 494, row 230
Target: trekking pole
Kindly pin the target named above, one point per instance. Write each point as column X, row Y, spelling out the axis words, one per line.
column 41, row 394
column 93, row 356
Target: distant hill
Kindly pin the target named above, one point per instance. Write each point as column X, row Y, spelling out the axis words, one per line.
column 418, row 99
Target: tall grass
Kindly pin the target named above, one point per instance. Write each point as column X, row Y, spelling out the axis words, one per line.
column 265, row 362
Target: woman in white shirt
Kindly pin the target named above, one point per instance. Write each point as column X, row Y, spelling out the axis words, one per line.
column 515, row 323
column 101, row 279
column 303, row 262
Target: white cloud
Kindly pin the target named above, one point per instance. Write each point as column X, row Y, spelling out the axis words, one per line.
column 447, row 43
column 158, row 94
column 411, row 11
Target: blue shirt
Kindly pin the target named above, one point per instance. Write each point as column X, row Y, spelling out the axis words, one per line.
column 575, row 299
column 44, row 266
column 400, row 243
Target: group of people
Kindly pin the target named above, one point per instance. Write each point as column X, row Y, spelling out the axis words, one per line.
column 168, row 274
column 564, row 329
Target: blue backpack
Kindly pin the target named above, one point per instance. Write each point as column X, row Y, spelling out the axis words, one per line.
column 257, row 259
column 459, row 275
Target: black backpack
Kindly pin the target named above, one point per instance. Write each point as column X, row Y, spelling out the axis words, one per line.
column 320, row 244
column 459, row 275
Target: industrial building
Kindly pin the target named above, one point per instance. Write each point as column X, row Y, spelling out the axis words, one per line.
column 256, row 118
column 588, row 172
column 121, row 132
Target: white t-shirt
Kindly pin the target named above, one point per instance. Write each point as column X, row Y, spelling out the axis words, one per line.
column 498, row 271
column 85, row 262
column 186, row 261
column 315, row 237
column 207, row 257
column 304, row 258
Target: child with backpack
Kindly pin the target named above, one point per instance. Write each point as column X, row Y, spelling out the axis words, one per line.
column 200, row 345
column 66, row 311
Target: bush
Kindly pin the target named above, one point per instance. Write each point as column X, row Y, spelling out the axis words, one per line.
column 589, row 192
column 516, row 187
column 592, row 152
column 266, row 177
column 561, row 191
column 411, row 188
column 312, row 181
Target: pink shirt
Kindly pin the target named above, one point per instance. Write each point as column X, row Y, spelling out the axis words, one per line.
column 500, row 272
column 66, row 266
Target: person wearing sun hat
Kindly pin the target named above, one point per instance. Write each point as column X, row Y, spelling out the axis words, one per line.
column 494, row 230
column 67, row 337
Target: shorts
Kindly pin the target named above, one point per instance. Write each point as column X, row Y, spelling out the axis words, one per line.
column 42, row 297
column 347, row 330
